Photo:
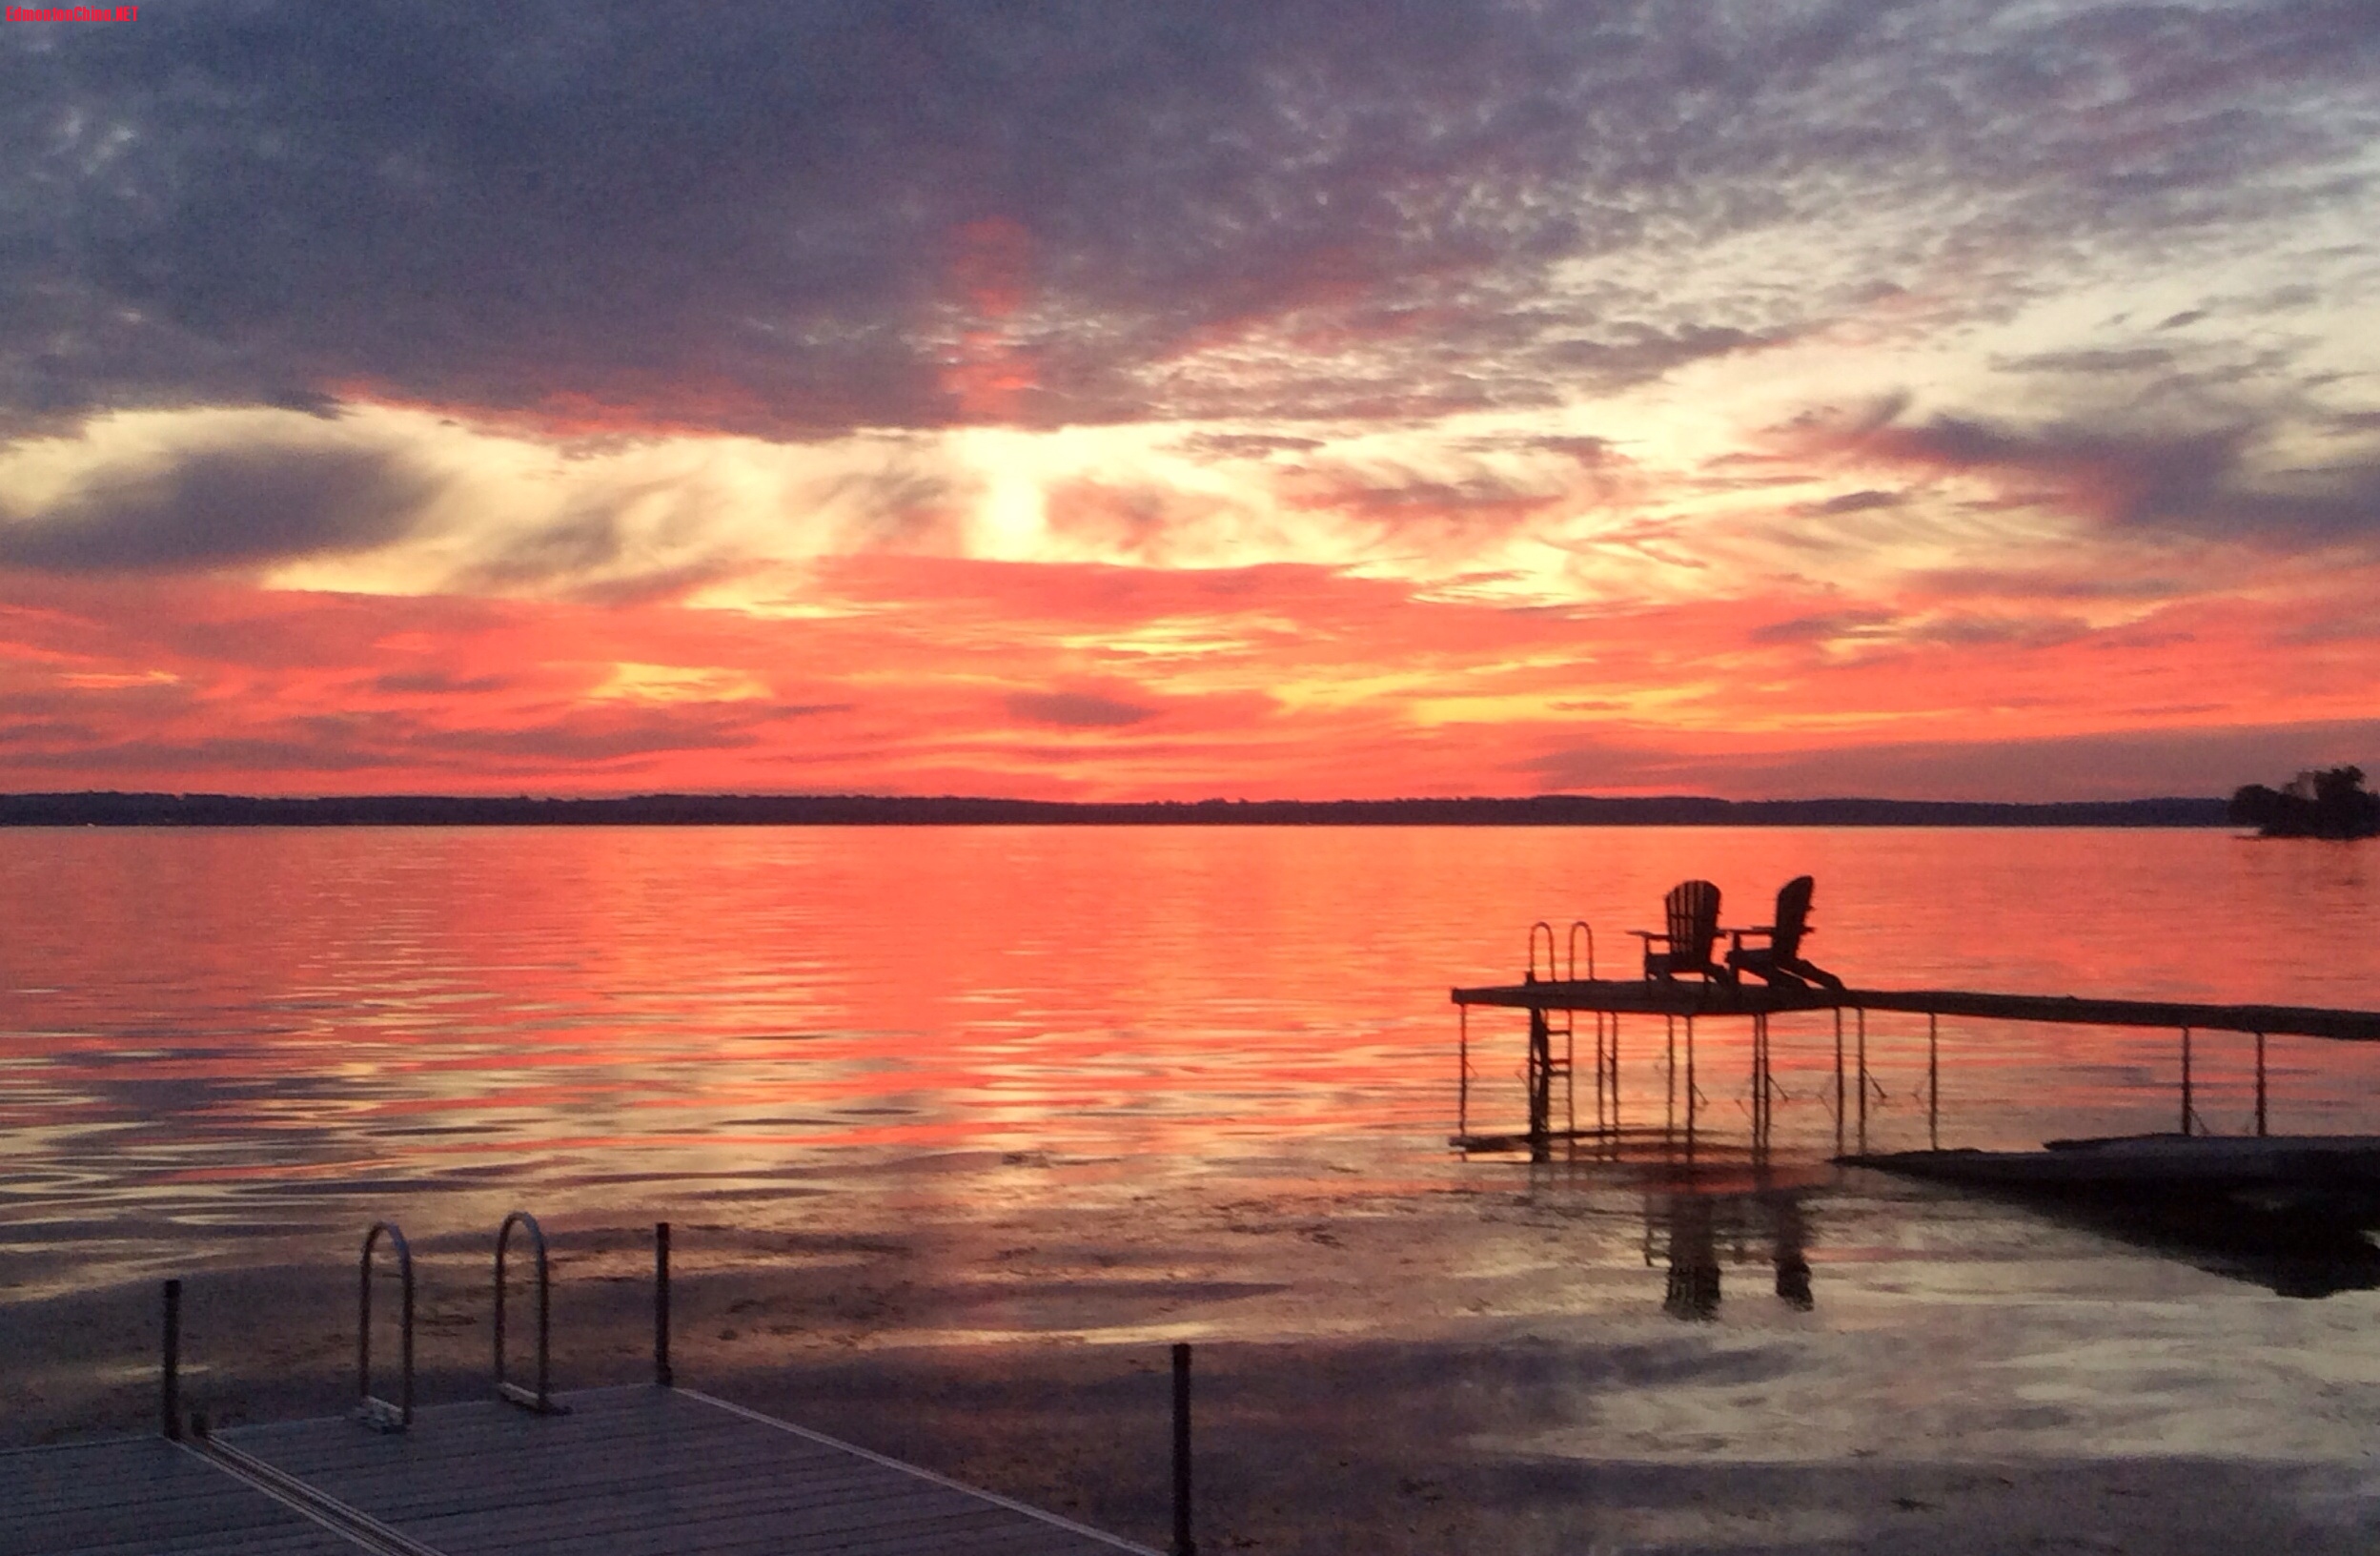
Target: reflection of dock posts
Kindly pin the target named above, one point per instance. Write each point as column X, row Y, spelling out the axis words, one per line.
column 1541, row 1085
column 1839, row 1096
column 1933, row 1082
column 2260, row 1085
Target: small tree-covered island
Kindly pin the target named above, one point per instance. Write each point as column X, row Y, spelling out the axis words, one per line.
column 2332, row 802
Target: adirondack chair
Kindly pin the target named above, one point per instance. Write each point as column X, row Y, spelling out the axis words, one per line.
column 1692, row 910
column 1781, row 962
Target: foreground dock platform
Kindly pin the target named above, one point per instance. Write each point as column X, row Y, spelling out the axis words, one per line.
column 145, row 1497
column 643, row 1470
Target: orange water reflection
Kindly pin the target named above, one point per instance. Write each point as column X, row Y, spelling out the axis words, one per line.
column 258, row 1031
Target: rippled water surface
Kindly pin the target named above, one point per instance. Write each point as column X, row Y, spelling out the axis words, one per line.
column 215, row 1035
column 1018, row 1105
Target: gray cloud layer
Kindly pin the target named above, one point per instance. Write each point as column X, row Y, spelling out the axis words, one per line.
column 222, row 508
column 756, row 215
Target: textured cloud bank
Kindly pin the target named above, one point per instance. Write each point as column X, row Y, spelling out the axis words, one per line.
column 1252, row 398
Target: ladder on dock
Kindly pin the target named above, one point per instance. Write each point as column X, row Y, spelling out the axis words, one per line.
column 644, row 1470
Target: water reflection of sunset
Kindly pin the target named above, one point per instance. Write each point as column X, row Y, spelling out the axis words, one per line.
column 226, row 1027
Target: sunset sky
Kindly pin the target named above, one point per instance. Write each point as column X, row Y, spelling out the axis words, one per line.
column 1175, row 399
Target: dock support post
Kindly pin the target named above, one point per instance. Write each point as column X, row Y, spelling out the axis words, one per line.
column 1839, row 1096
column 661, row 1375
column 1669, row 1119
column 1462, row 1072
column 1691, row 1094
column 1616, row 1124
column 1600, row 1110
column 169, row 1377
column 1540, row 1086
column 1862, row 1055
column 2186, row 1080
column 1933, row 1081
column 1570, row 1077
column 1760, row 1084
column 2260, row 1085
column 1183, row 1543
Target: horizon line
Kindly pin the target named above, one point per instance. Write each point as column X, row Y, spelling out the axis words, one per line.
column 157, row 808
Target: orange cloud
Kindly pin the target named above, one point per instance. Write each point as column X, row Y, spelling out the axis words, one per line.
column 936, row 675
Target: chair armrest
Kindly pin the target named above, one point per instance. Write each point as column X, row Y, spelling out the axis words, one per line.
column 1649, row 935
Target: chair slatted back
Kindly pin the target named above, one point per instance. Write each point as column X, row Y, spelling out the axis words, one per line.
column 1793, row 917
column 1693, row 908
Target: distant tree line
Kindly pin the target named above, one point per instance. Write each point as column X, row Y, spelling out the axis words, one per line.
column 2332, row 803
column 118, row 810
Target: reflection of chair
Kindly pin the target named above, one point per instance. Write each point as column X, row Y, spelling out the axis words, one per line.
column 1779, row 961
column 1792, row 1254
column 1693, row 911
column 1693, row 1280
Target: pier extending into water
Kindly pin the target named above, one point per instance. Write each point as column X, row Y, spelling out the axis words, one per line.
column 1553, row 1005
column 657, row 1470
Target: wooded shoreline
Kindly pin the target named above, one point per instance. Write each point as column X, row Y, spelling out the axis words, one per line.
column 109, row 809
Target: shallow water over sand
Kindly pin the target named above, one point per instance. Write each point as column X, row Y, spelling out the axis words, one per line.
column 979, row 1093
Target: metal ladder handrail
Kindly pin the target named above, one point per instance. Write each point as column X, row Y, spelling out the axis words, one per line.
column 1552, row 966
column 371, row 1409
column 542, row 1400
column 1577, row 927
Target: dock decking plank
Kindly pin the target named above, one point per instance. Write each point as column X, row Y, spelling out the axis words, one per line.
column 144, row 1496
column 644, row 1471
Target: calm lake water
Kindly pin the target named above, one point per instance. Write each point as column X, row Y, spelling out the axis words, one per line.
column 934, row 1103
column 957, row 1128
column 218, row 1037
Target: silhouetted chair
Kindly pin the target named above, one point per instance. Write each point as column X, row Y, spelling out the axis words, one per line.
column 1780, row 961
column 1693, row 911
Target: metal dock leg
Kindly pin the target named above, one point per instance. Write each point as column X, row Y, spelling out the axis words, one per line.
column 169, row 1377
column 661, row 1373
column 1183, row 1543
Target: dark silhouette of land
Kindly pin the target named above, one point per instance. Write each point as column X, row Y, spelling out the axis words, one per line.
column 107, row 808
column 2332, row 803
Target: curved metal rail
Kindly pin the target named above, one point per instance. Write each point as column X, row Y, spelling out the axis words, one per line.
column 371, row 1409
column 1578, row 927
column 541, row 1399
column 1552, row 966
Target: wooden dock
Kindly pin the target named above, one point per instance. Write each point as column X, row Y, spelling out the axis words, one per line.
column 1648, row 996
column 146, row 1497
column 1549, row 1058
column 643, row 1470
